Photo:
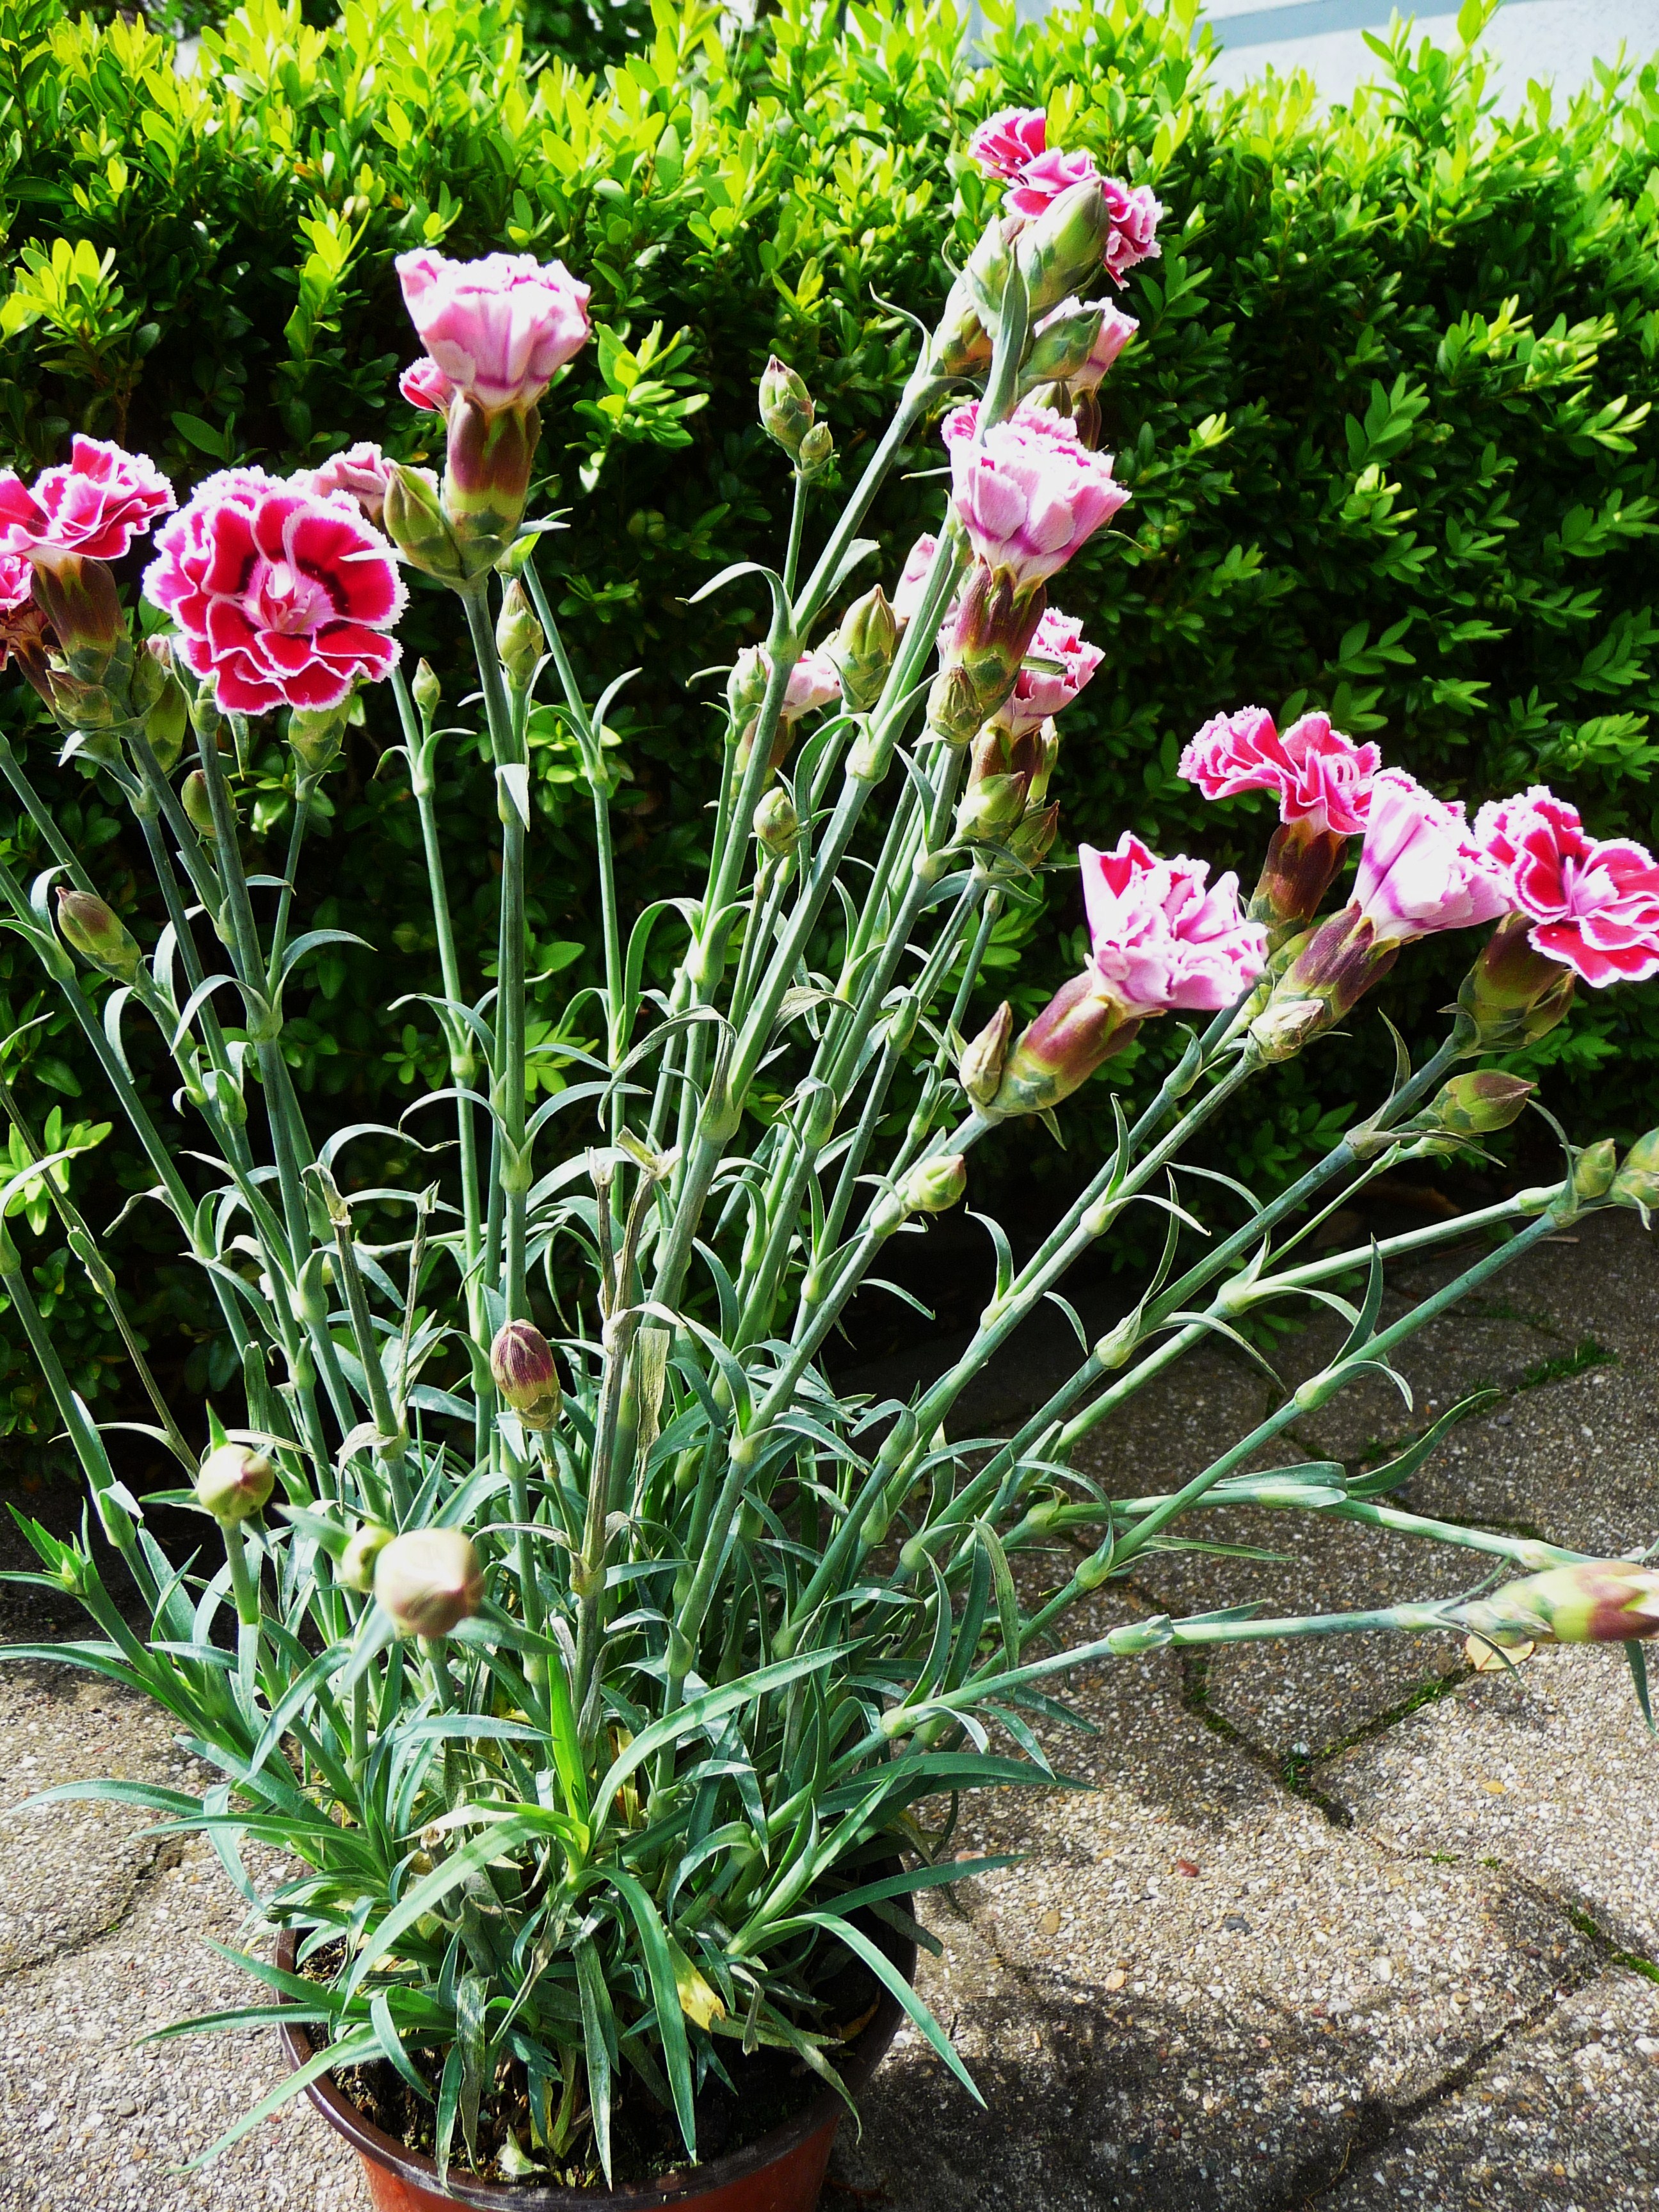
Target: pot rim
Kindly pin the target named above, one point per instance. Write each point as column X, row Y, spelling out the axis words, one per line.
column 682, row 2185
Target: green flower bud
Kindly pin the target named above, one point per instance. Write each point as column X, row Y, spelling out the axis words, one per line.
column 1061, row 350
column 1595, row 1170
column 168, row 719
column 980, row 1071
column 936, row 1185
column 199, row 808
column 204, row 716
column 315, row 738
column 232, row 1482
column 426, row 690
column 1064, row 245
column 777, row 825
column 356, row 1565
column 1474, row 1104
column 429, row 1581
column 1513, row 994
column 416, row 523
column 1637, row 1183
column 526, row 1374
column 817, row 450
column 746, row 687
column 862, row 649
column 97, row 933
column 787, row 411
column 518, row 637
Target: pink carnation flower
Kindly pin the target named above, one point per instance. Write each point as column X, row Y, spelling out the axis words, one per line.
column 1420, row 869
column 1040, row 692
column 1045, row 176
column 1115, row 331
column 1160, row 939
column 814, row 681
column 907, row 592
column 1006, row 141
column 16, row 582
column 424, row 385
column 90, row 508
column 1135, row 212
column 1319, row 776
column 282, row 597
column 360, row 473
column 1032, row 494
column 497, row 328
column 1594, row 901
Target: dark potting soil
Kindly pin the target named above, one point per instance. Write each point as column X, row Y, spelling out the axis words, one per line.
column 768, row 2088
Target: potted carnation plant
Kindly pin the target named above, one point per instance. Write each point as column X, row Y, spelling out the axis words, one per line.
column 593, row 1661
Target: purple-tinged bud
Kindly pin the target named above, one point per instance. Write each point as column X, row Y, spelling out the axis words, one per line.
column 777, row 825
column 1595, row 1171
column 416, row 523
column 168, row 719
column 198, row 807
column 862, row 649
column 981, row 658
column 356, row 1567
column 98, row 933
column 526, row 1374
column 426, row 691
column 1301, row 865
column 232, row 1482
column 1591, row 1601
column 936, row 1185
column 519, row 638
column 429, row 1581
column 1340, row 962
column 79, row 599
column 1003, row 779
column 787, row 411
column 1514, row 994
column 1637, row 1183
column 1081, row 1028
column 487, row 477
column 979, row 1069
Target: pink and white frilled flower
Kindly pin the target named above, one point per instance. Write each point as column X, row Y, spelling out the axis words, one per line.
column 1032, row 494
column 1040, row 692
column 1318, row 775
column 424, row 385
column 814, row 681
column 90, row 507
column 16, row 582
column 498, row 328
column 1162, row 936
column 1421, row 869
column 284, row 598
column 907, row 592
column 360, row 474
column 1006, row 141
column 1136, row 212
column 1045, row 176
column 1595, row 902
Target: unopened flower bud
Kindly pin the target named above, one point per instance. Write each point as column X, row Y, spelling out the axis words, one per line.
column 1063, row 345
column 98, row 933
column 204, row 716
column 234, row 1481
column 979, row 1070
column 817, row 450
column 1595, row 1170
column 862, row 649
column 1081, row 1028
column 168, row 719
column 1474, row 1104
column 315, row 738
column 518, row 637
column 1031, row 841
column 198, row 807
column 936, row 1185
column 1064, row 245
column 1514, row 994
column 787, row 411
column 746, row 687
column 488, row 456
column 1637, row 1183
column 356, row 1567
column 429, row 1581
column 526, row 1374
column 426, row 690
column 416, row 523
column 1590, row 1602
column 777, row 825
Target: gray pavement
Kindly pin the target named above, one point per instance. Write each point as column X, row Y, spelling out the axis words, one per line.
column 1343, row 1924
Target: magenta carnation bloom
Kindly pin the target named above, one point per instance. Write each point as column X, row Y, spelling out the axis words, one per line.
column 424, row 385
column 16, row 582
column 1045, row 176
column 1032, row 494
column 360, row 474
column 282, row 597
column 1160, row 939
column 497, row 328
column 1006, row 141
column 1594, row 901
column 1419, row 869
column 1040, row 692
column 91, row 507
column 1135, row 212
column 1318, row 775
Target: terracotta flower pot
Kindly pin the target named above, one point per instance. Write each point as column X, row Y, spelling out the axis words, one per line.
column 779, row 2172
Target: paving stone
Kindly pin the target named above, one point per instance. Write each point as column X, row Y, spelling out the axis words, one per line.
column 92, row 2121
column 68, row 1872
column 1553, row 1775
column 1172, row 1429
column 1564, row 2117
